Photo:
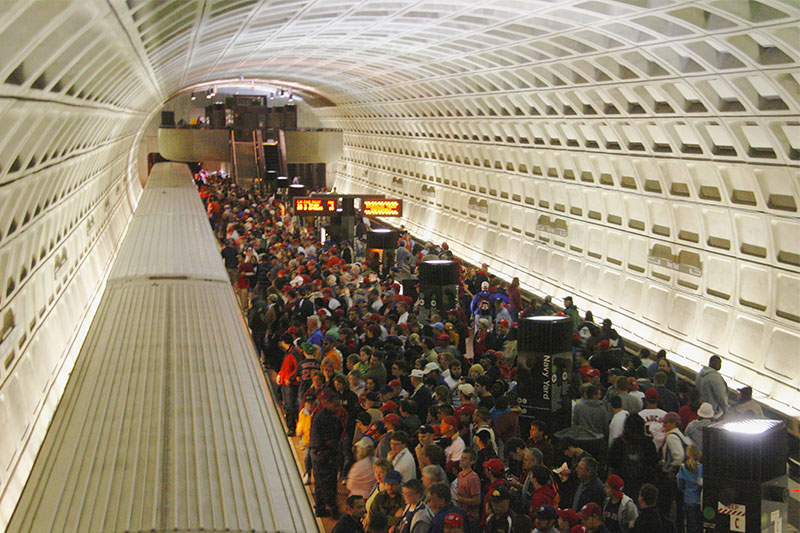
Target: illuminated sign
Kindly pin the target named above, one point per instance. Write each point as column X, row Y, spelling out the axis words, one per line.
column 382, row 208
column 315, row 206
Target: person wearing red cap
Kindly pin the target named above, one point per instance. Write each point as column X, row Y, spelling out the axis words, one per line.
column 493, row 470
column 582, row 361
column 389, row 406
column 567, row 519
column 591, row 516
column 325, row 436
column 501, row 311
column 604, row 360
column 619, row 510
column 449, row 429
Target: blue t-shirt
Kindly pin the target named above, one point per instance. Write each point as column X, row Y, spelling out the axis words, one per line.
column 691, row 484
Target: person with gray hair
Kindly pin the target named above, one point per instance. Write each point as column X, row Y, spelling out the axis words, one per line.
column 431, row 475
column 531, row 457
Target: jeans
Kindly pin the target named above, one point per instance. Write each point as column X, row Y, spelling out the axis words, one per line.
column 693, row 517
column 324, row 466
column 289, row 397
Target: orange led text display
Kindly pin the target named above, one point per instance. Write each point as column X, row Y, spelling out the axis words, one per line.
column 382, row 208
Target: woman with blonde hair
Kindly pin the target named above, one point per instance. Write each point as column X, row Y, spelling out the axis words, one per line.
column 690, row 481
column 361, row 477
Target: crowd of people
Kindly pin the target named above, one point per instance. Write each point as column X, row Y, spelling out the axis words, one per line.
column 413, row 409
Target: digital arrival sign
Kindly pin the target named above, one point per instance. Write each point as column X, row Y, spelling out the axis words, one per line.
column 382, row 207
column 332, row 204
column 311, row 206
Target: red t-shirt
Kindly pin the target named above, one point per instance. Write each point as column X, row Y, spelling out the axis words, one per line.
column 687, row 415
column 470, row 485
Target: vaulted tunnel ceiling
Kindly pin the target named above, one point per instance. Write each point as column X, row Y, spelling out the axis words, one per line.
column 641, row 154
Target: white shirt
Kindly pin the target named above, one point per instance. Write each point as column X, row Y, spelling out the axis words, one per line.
column 652, row 424
column 638, row 394
column 449, row 381
column 453, row 452
column 404, row 463
column 616, row 425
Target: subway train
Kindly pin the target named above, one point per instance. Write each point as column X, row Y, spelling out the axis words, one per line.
column 166, row 423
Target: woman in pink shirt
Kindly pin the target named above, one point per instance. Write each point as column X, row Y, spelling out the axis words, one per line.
column 361, row 477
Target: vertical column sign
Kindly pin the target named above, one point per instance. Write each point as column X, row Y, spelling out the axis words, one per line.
column 544, row 363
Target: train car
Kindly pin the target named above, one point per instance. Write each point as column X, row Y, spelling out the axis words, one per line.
column 166, row 422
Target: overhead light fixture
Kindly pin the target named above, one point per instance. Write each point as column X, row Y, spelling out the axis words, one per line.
column 750, row 426
column 194, row 97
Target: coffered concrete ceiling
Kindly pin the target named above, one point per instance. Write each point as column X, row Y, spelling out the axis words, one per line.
column 641, row 154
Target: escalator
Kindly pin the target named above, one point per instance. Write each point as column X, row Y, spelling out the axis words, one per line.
column 272, row 156
column 249, row 163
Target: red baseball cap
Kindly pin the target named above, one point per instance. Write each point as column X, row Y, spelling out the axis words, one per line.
column 495, row 465
column 569, row 516
column 589, row 510
column 593, row 373
column 450, row 421
column 453, row 520
column 616, row 484
column 651, row 394
column 392, row 419
column 389, row 406
column 464, row 410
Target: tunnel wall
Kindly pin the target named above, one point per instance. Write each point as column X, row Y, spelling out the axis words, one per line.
column 669, row 206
